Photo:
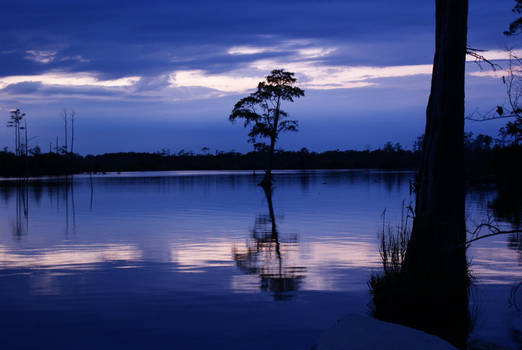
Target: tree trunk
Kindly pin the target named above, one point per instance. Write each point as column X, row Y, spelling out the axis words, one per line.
column 72, row 133
column 18, row 138
column 268, row 196
column 65, row 131
column 439, row 212
column 435, row 263
column 25, row 131
column 267, row 180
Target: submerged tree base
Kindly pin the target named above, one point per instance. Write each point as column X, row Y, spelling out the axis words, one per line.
column 429, row 302
column 266, row 183
column 424, row 297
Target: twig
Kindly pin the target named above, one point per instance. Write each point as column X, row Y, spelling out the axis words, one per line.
column 480, row 58
column 492, row 234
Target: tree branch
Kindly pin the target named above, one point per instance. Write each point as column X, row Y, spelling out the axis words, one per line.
column 495, row 231
column 470, row 51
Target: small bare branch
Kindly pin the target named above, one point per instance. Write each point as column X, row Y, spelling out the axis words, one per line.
column 470, row 51
column 490, row 226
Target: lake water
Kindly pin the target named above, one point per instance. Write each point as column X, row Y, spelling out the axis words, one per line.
column 200, row 260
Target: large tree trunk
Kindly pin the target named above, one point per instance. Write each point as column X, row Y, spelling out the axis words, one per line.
column 439, row 212
column 436, row 255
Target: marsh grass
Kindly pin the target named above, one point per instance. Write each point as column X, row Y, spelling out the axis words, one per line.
column 394, row 241
column 421, row 298
column 386, row 288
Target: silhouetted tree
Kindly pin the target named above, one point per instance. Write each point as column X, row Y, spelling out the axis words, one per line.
column 36, row 150
column 262, row 111
column 26, row 142
column 516, row 26
column 431, row 290
column 73, row 115
column 436, row 255
column 15, row 118
column 513, row 83
column 64, row 116
column 512, row 109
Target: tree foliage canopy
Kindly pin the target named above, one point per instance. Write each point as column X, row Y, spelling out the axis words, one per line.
column 515, row 27
column 261, row 110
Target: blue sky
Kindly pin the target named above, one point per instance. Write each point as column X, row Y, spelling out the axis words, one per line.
column 146, row 75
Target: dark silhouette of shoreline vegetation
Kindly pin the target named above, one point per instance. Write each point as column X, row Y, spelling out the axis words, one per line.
column 484, row 160
column 63, row 164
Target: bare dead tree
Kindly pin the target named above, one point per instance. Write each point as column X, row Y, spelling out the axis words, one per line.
column 14, row 122
column 512, row 79
column 64, row 116
column 73, row 114
column 25, row 132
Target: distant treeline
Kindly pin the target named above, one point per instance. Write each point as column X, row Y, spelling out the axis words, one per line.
column 483, row 160
column 57, row 164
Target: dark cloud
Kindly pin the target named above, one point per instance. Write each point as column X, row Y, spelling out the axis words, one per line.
column 33, row 89
column 118, row 38
column 27, row 87
column 151, row 37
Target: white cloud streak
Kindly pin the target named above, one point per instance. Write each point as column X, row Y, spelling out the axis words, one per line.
column 230, row 82
column 312, row 75
column 68, row 79
column 495, row 55
column 308, row 62
column 305, row 60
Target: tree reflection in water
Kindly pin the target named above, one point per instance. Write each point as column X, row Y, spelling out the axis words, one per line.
column 20, row 226
column 507, row 207
column 266, row 255
column 25, row 189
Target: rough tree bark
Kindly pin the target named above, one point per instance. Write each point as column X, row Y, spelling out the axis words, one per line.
column 439, row 225
column 435, row 263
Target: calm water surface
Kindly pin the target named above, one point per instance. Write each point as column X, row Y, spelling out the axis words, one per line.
column 199, row 260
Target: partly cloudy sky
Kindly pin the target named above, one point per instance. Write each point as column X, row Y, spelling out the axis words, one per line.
column 146, row 75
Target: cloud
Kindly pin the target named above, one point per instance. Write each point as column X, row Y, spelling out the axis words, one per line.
column 214, row 50
column 497, row 74
column 318, row 76
column 501, row 70
column 308, row 64
column 496, row 55
column 40, row 56
column 77, row 58
column 139, row 39
column 230, row 82
column 249, row 50
column 68, row 79
column 299, row 48
column 311, row 66
column 26, row 87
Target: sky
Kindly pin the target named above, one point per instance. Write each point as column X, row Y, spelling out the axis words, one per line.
column 151, row 75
